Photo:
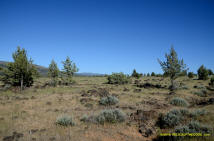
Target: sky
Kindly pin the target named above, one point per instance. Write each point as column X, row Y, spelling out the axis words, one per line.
column 105, row 36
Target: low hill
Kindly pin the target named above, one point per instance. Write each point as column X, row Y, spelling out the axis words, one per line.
column 43, row 71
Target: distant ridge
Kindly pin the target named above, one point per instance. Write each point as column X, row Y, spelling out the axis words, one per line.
column 43, row 71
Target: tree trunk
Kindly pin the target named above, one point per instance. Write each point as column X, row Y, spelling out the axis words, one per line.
column 22, row 83
column 172, row 87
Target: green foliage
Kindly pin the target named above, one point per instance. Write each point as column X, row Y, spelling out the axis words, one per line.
column 148, row 74
column 170, row 119
column 211, row 81
column 21, row 72
column 136, row 75
column 152, row 74
column 210, row 72
column 109, row 100
column 118, row 78
column 53, row 72
column 177, row 101
column 201, row 93
column 193, row 127
column 69, row 68
column 172, row 67
column 190, row 74
column 202, row 73
column 198, row 112
column 65, row 120
column 196, row 127
column 110, row 116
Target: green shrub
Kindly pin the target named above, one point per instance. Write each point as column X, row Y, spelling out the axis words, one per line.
column 202, row 93
column 211, row 81
column 109, row 100
column 182, row 129
column 193, row 127
column 184, row 112
column 110, row 116
column 136, row 75
column 118, row 78
column 179, row 102
column 152, row 74
column 170, row 119
column 190, row 74
column 202, row 73
column 198, row 112
column 65, row 120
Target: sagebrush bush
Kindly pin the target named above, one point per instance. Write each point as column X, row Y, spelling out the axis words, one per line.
column 202, row 93
column 198, row 112
column 110, row 116
column 182, row 129
column 65, row 120
column 193, row 127
column 170, row 119
column 184, row 112
column 177, row 101
column 118, row 78
column 109, row 100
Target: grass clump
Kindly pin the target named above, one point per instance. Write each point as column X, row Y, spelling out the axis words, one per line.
column 196, row 127
column 118, row 78
column 202, row 93
column 109, row 100
column 110, row 116
column 198, row 112
column 177, row 101
column 65, row 120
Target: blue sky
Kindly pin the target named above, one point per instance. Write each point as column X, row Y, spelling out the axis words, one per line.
column 105, row 36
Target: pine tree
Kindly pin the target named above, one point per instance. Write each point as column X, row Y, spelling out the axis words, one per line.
column 53, row 72
column 21, row 72
column 202, row 73
column 172, row 67
column 69, row 68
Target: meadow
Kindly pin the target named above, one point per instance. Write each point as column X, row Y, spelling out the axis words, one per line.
column 32, row 113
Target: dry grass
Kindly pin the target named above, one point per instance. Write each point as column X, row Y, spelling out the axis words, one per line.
column 34, row 111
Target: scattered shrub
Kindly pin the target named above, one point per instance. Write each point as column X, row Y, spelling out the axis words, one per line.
column 193, row 127
column 118, row 78
column 65, row 120
column 179, row 102
column 202, row 73
column 111, row 116
column 109, row 100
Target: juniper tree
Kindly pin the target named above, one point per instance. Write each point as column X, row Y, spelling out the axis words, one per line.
column 53, row 72
column 21, row 72
column 135, row 74
column 202, row 73
column 172, row 67
column 69, row 68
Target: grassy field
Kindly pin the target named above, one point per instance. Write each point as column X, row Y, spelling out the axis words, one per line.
column 32, row 114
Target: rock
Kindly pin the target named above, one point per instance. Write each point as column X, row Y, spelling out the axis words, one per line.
column 125, row 89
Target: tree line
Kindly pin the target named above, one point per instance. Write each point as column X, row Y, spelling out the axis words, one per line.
column 21, row 72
